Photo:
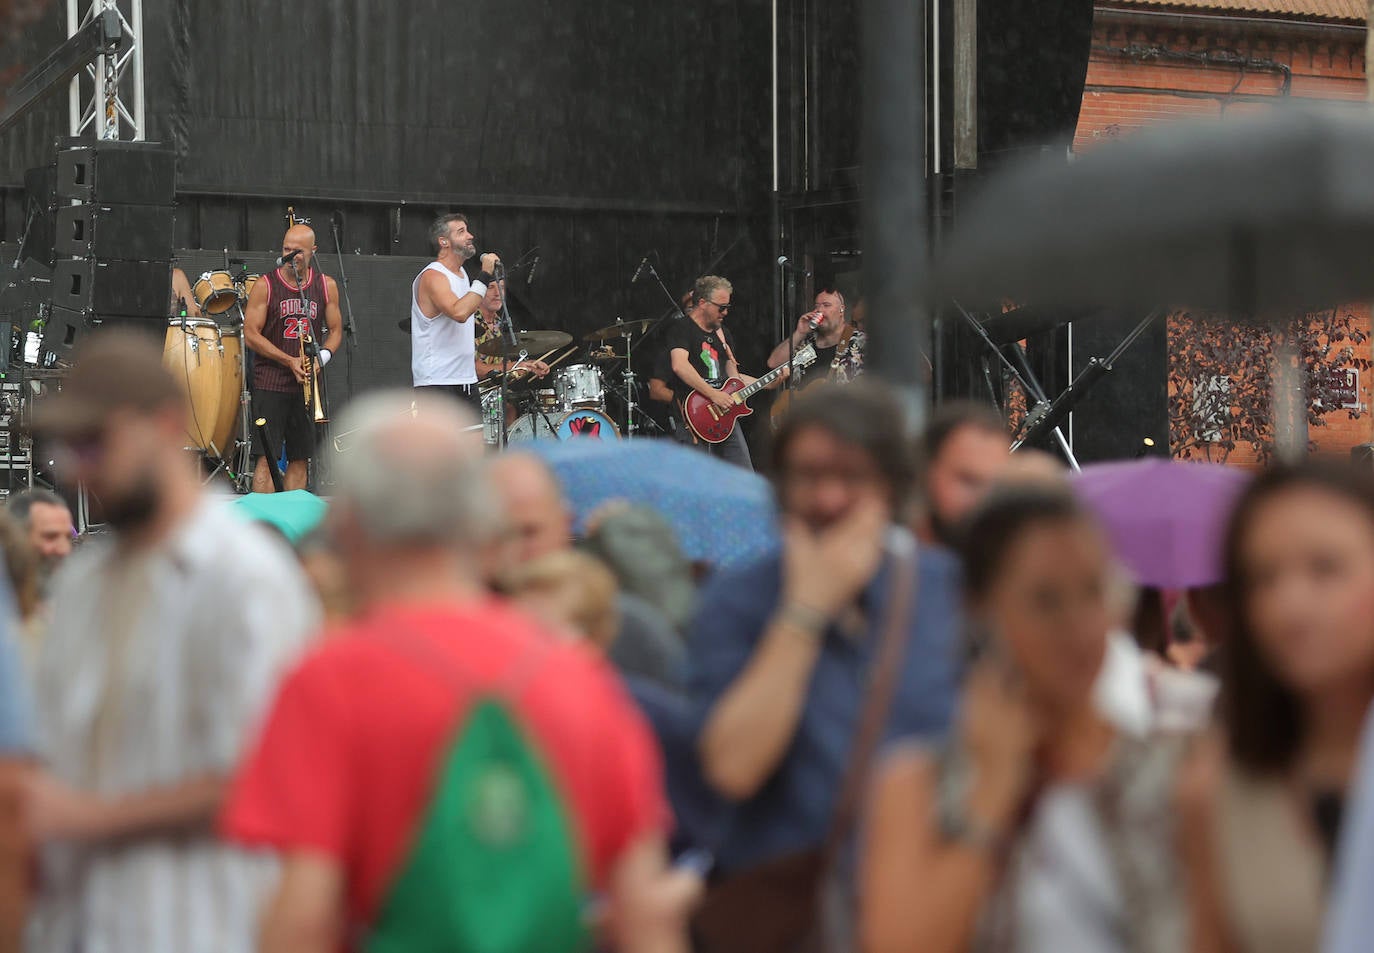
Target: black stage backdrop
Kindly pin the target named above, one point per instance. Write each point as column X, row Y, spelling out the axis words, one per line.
column 597, row 130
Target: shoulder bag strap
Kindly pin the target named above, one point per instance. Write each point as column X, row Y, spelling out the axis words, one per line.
column 885, row 672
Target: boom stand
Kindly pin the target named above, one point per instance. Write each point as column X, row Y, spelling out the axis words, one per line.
column 1028, row 381
column 350, row 327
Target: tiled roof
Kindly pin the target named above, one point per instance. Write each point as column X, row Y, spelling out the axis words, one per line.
column 1344, row 11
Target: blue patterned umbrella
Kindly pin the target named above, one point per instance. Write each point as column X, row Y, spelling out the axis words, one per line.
column 722, row 514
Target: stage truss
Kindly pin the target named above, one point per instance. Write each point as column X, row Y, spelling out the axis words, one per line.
column 106, row 99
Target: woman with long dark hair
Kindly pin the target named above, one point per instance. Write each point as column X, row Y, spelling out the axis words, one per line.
column 1262, row 801
column 1037, row 826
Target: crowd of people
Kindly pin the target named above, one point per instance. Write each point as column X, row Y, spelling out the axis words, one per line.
column 938, row 718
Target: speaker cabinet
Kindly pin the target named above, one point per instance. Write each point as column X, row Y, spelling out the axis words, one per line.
column 128, row 288
column 117, row 173
column 124, row 232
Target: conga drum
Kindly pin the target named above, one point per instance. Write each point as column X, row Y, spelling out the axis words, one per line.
column 231, row 391
column 192, row 352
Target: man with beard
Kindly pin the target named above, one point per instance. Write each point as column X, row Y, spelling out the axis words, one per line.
column 964, row 451
column 291, row 301
column 489, row 329
column 47, row 522
column 165, row 642
column 839, row 344
column 784, row 649
column 443, row 301
column 702, row 358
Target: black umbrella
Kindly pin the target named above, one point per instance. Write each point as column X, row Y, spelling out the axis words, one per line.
column 1271, row 213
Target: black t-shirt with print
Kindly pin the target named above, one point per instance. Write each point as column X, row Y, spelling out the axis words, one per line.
column 703, row 349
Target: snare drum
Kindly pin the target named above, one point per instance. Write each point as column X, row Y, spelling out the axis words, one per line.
column 193, row 353
column 586, row 425
column 215, row 292
column 579, row 387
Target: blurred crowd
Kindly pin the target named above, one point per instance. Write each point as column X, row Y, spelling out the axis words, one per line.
column 948, row 711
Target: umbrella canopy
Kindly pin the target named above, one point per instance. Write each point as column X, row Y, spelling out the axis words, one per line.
column 1272, row 212
column 1165, row 518
column 295, row 513
column 722, row 514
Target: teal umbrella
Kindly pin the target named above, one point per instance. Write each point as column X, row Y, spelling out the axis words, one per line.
column 294, row 513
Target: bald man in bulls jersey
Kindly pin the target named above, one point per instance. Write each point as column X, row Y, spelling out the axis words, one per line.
column 278, row 306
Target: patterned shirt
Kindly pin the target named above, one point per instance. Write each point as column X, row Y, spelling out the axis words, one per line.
column 156, row 668
column 848, row 362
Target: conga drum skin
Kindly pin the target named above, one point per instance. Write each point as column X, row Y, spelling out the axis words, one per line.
column 192, row 352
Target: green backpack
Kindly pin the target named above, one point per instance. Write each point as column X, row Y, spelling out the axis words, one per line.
column 494, row 865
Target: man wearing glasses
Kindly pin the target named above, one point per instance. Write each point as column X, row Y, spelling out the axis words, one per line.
column 703, row 359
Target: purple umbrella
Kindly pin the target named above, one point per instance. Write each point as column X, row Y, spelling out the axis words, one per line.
column 1165, row 518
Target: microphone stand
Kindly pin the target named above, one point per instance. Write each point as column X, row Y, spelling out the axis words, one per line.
column 350, row 327
column 677, row 305
column 784, row 285
column 506, row 328
column 315, row 361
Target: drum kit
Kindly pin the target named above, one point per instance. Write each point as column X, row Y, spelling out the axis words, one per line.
column 571, row 402
column 209, row 354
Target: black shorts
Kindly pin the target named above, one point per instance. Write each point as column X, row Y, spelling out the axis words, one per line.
column 287, row 422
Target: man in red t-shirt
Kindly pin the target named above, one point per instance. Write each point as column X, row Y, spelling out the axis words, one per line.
column 346, row 763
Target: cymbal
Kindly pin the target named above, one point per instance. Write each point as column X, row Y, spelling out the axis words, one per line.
column 536, row 342
column 621, row 329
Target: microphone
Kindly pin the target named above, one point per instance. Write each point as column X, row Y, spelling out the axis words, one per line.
column 785, row 263
column 287, row 257
column 529, row 278
column 639, row 272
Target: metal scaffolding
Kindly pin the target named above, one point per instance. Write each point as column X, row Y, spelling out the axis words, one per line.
column 106, row 99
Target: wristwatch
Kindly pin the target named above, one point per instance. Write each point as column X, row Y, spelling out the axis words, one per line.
column 954, row 785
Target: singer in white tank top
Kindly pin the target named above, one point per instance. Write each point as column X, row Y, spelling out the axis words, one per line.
column 442, row 352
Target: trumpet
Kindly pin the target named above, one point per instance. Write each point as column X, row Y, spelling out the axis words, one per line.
column 312, row 387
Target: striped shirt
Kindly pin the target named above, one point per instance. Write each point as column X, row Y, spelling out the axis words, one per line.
column 287, row 310
column 155, row 669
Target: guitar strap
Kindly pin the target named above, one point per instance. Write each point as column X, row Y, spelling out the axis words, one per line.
column 728, row 351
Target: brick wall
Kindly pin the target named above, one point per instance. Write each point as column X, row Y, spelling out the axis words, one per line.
column 1143, row 75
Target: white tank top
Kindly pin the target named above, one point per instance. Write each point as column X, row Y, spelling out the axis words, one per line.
column 441, row 349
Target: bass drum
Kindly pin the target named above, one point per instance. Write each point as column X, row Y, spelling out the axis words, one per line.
column 193, row 353
column 532, row 427
column 230, row 391
column 587, row 425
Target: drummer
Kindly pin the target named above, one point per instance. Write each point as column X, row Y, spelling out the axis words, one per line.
column 182, row 297
column 490, row 330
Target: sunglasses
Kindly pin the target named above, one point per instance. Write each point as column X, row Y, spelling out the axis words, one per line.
column 722, row 308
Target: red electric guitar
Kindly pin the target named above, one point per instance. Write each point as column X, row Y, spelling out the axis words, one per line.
column 714, row 425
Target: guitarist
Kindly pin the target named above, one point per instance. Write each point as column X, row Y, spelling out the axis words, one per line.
column 702, row 359
column 839, row 347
